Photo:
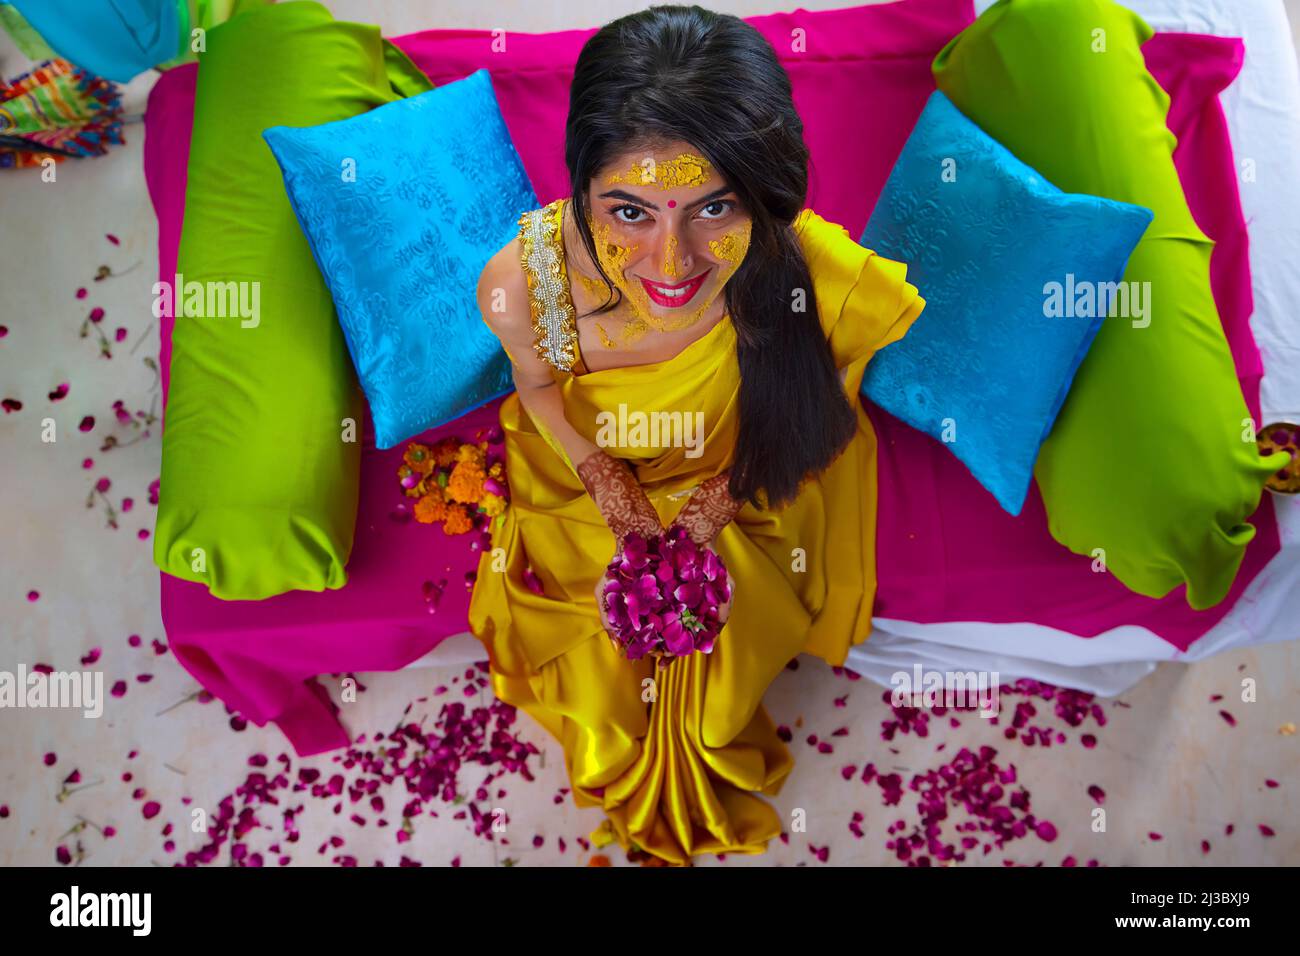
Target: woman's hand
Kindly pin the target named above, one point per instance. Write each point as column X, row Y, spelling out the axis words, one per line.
column 724, row 611
column 622, row 503
column 709, row 510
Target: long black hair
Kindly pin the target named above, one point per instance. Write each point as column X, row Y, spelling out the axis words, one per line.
column 685, row 73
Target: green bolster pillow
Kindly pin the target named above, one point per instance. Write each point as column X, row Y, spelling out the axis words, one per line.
column 1151, row 465
column 260, row 465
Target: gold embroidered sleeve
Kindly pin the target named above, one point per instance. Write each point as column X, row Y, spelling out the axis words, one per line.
column 548, row 286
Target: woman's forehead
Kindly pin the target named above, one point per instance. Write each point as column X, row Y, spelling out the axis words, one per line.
column 675, row 172
column 663, row 164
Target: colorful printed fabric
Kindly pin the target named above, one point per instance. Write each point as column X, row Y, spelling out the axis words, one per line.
column 57, row 110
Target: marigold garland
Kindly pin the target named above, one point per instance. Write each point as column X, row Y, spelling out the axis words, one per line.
column 460, row 484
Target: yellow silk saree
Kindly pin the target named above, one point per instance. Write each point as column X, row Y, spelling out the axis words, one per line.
column 678, row 756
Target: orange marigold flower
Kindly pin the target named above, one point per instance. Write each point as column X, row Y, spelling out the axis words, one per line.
column 497, row 470
column 458, row 520
column 599, row 859
column 492, row 505
column 431, row 507
column 418, row 458
column 473, row 453
column 444, row 452
column 466, row 483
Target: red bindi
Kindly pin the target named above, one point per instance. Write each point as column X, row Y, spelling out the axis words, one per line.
column 672, row 203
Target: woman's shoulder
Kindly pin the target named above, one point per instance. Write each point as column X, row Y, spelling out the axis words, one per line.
column 503, row 293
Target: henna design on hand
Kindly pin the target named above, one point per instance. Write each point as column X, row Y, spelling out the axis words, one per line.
column 619, row 497
column 709, row 510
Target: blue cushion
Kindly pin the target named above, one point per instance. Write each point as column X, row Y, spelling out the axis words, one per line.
column 403, row 206
column 115, row 39
column 1008, row 265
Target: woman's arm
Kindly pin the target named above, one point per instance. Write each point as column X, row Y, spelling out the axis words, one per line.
column 504, row 304
column 618, row 495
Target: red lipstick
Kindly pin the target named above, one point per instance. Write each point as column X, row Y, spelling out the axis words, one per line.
column 674, row 299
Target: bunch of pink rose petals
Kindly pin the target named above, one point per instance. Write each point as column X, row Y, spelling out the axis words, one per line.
column 663, row 596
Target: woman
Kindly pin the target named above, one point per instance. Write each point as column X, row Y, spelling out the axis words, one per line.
column 707, row 294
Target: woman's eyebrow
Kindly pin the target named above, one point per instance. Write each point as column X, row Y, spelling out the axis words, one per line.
column 628, row 197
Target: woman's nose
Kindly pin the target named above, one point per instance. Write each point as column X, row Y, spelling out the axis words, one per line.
column 675, row 259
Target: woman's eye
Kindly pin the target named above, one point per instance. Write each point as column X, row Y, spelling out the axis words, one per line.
column 619, row 210
column 722, row 206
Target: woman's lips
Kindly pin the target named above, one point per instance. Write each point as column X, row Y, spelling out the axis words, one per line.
column 674, row 296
